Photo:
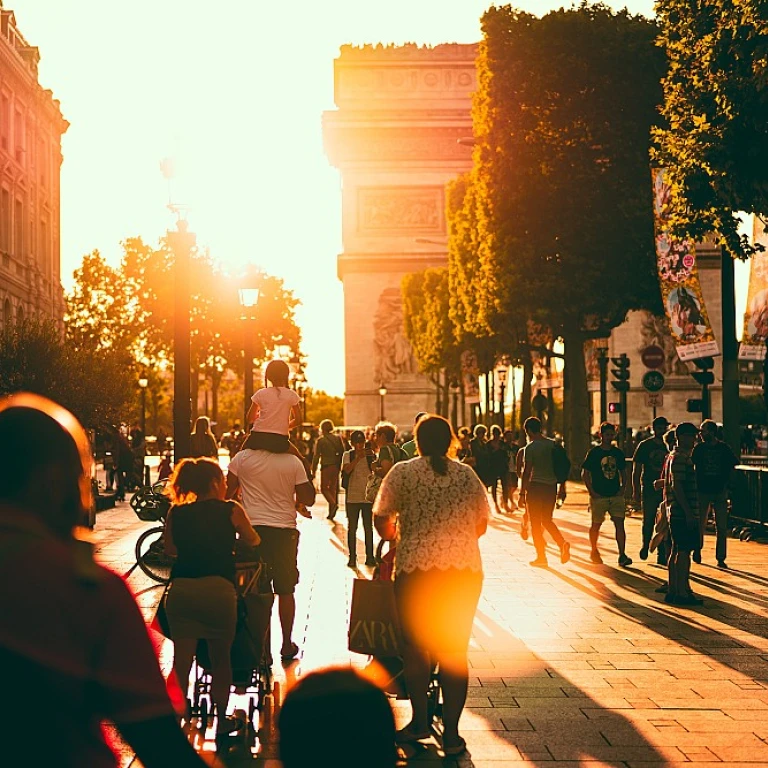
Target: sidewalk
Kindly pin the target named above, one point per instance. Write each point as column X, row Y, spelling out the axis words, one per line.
column 575, row 665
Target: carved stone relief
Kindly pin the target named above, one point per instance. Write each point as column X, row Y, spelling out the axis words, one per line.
column 392, row 353
column 399, row 208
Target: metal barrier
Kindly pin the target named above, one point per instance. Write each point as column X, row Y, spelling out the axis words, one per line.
column 749, row 494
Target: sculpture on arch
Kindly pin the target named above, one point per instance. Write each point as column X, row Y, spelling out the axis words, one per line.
column 392, row 352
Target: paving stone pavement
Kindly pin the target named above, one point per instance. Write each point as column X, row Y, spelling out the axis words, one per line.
column 574, row 665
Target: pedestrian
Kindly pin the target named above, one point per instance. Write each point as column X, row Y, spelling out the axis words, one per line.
column 497, row 462
column 356, row 468
column 389, row 452
column 438, row 509
column 71, row 634
column 464, row 452
column 478, row 446
column 201, row 604
column 410, row 446
column 509, row 479
column 714, row 462
column 203, row 441
column 233, row 440
column 328, row 453
column 164, row 468
column 605, row 475
column 647, row 465
column 124, row 461
column 682, row 505
column 310, row 716
column 275, row 488
column 539, row 492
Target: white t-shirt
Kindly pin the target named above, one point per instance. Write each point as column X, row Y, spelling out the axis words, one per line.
column 275, row 405
column 268, row 481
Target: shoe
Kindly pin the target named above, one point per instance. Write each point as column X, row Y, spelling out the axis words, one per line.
column 539, row 562
column 331, row 516
column 290, row 654
column 624, row 561
column 458, row 749
column 407, row 736
column 671, row 599
column 722, row 564
column 352, row 563
column 524, row 532
column 697, row 556
column 644, row 553
column 662, row 589
column 371, row 562
column 594, row 556
column 690, row 600
column 565, row 553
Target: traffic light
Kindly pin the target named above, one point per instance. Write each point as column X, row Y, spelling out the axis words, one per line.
column 694, row 405
column 614, row 407
column 620, row 373
column 704, row 375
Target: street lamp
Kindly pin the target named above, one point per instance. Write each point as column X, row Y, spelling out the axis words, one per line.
column 249, row 294
column 143, row 383
column 601, row 346
column 502, row 376
column 454, row 385
column 382, row 395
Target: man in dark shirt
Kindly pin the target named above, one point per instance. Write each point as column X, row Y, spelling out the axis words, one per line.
column 714, row 462
column 604, row 473
column 647, row 465
column 328, row 453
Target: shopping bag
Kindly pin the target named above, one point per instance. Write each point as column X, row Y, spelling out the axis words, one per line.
column 374, row 628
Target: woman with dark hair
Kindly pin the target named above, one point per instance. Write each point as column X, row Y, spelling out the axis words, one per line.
column 203, row 441
column 437, row 509
column 200, row 531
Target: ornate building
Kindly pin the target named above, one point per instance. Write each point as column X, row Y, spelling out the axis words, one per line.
column 31, row 126
column 394, row 137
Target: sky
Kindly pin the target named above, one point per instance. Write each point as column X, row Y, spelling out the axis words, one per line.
column 234, row 91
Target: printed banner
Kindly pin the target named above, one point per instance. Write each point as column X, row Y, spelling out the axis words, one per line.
column 470, row 374
column 756, row 317
column 679, row 281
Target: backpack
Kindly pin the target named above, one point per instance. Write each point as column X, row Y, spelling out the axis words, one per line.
column 561, row 464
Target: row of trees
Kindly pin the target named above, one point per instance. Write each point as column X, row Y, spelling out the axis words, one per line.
column 553, row 226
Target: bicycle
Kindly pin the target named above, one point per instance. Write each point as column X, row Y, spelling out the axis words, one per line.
column 151, row 504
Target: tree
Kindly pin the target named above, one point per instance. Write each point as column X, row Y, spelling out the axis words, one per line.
column 96, row 384
column 320, row 405
column 715, row 143
column 558, row 210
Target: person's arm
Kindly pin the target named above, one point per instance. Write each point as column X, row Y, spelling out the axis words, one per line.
column 233, row 485
column 586, row 476
column 305, row 494
column 243, row 526
column 385, row 464
column 170, row 547
column 637, row 469
column 316, row 456
column 525, row 481
column 252, row 415
column 348, row 463
column 677, row 471
column 292, row 418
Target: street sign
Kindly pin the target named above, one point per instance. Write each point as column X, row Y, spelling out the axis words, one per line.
column 653, row 381
column 654, row 399
column 652, row 356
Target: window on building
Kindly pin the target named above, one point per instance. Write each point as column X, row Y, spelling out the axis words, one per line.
column 19, row 314
column 5, row 221
column 5, row 122
column 43, row 246
column 18, row 229
column 7, row 314
column 20, row 137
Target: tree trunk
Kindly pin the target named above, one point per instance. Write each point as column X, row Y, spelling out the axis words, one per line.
column 576, row 413
column 215, row 384
column 525, row 395
column 194, row 390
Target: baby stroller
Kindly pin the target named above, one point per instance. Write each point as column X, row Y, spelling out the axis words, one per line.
column 250, row 655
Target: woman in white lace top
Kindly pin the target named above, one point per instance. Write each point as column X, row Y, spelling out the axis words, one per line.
column 437, row 508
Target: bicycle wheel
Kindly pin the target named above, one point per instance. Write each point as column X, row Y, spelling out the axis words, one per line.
column 151, row 556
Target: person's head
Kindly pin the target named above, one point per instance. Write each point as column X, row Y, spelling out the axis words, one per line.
column 669, row 439
column 420, row 415
column 495, row 432
column 385, row 433
column 685, row 435
column 708, row 431
column 509, row 436
column 319, row 704
column 464, row 435
column 277, row 373
column 435, row 440
column 607, row 433
column 480, row 431
column 195, row 479
column 357, row 439
column 532, row 426
column 326, row 426
column 46, row 462
column 202, row 425
column 659, row 425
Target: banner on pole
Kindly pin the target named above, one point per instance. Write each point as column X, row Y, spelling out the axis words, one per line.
column 756, row 317
column 470, row 374
column 679, row 282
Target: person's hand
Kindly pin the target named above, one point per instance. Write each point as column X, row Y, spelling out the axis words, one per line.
column 302, row 510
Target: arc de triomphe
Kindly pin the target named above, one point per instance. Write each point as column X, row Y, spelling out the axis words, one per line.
column 394, row 138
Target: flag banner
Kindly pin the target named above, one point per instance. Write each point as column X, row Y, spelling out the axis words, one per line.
column 679, row 282
column 756, row 317
column 470, row 373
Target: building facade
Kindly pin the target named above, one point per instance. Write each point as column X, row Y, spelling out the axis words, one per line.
column 31, row 127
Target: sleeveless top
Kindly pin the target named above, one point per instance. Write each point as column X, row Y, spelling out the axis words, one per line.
column 205, row 540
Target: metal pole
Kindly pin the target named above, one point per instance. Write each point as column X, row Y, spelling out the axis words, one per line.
column 381, row 407
column 181, row 242
column 144, row 411
column 502, row 391
column 602, row 360
column 623, row 418
column 247, row 373
column 731, row 406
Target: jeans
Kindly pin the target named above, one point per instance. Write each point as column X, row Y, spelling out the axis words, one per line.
column 540, row 501
column 720, row 503
column 329, row 486
column 354, row 511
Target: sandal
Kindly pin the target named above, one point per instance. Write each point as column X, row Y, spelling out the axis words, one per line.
column 291, row 653
column 407, row 736
column 458, row 749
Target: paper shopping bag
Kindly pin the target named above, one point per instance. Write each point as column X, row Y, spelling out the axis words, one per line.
column 374, row 628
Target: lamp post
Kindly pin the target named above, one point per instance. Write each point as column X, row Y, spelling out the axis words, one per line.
column 602, row 362
column 248, row 294
column 502, row 375
column 382, row 395
column 455, row 403
column 143, row 383
column 181, row 242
